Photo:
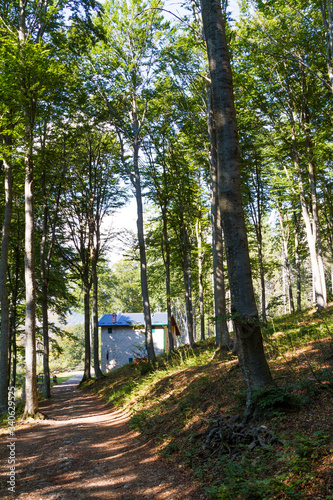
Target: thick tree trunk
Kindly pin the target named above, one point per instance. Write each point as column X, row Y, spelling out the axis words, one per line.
column 221, row 327
column 44, row 279
column 97, row 369
column 31, row 402
column 4, row 345
column 87, row 345
column 243, row 306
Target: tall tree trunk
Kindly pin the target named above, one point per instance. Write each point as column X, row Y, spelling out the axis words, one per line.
column 297, row 262
column 243, row 306
column 319, row 292
column 4, row 345
column 87, row 345
column 44, row 280
column 141, row 238
column 201, row 290
column 286, row 263
column 166, row 260
column 314, row 205
column 187, row 279
column 260, row 245
column 31, row 402
column 221, row 327
column 97, row 369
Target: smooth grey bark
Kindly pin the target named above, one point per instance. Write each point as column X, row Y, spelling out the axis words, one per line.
column 314, row 204
column 310, row 229
column 15, row 281
column 142, row 246
column 44, row 279
column 31, row 402
column 167, row 265
column 200, row 276
column 135, row 180
column 297, row 264
column 29, row 110
column 4, row 344
column 87, row 345
column 256, row 214
column 221, row 327
column 287, row 268
column 243, row 306
column 186, row 276
column 97, row 369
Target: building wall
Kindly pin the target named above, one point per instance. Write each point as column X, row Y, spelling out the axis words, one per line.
column 123, row 344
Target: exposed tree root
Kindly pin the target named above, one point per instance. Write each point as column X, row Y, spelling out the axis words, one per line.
column 231, row 437
column 37, row 415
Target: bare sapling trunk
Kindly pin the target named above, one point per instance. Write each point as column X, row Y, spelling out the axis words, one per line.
column 4, row 344
column 243, row 306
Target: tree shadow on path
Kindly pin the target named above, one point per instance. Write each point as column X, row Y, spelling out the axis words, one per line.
column 85, row 450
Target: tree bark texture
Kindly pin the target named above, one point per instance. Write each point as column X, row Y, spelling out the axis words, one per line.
column 243, row 307
column 97, row 369
column 87, row 344
column 187, row 278
column 310, row 229
column 200, row 276
column 44, row 279
column 286, row 263
column 166, row 260
column 221, row 327
column 31, row 402
column 4, row 345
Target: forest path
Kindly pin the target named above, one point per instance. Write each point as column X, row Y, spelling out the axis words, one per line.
column 84, row 450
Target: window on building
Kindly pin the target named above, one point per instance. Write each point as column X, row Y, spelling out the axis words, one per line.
column 130, row 360
column 110, row 329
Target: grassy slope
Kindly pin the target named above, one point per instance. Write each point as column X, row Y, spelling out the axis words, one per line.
column 177, row 405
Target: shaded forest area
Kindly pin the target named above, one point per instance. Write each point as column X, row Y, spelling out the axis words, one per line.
column 222, row 133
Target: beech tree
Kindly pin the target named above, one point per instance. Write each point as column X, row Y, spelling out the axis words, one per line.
column 243, row 306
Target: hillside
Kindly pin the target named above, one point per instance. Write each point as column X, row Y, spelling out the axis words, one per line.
column 189, row 407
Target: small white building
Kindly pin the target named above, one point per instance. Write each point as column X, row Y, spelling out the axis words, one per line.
column 123, row 337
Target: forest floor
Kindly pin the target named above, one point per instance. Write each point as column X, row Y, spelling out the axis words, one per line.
column 85, row 450
column 191, row 407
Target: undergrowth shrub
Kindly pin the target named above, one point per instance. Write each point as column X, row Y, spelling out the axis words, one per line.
column 270, row 401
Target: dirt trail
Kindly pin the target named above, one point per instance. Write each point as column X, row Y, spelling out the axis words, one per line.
column 85, row 450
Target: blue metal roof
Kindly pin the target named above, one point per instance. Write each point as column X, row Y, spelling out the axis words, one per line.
column 128, row 319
